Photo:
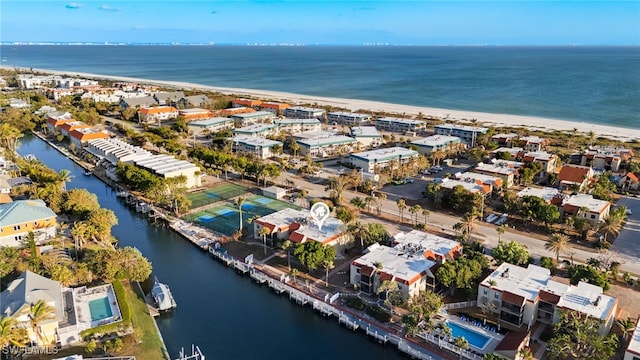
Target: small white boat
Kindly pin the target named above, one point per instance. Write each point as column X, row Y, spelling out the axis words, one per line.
column 87, row 172
column 122, row 193
column 162, row 296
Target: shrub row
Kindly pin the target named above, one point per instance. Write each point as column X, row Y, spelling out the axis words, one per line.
column 125, row 312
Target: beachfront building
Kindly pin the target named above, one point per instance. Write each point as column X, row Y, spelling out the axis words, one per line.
column 250, row 103
column 629, row 181
column 256, row 130
column 586, row 207
column 374, row 160
column 402, row 126
column 111, row 96
column 547, row 160
column 260, row 147
column 80, row 137
column 195, row 114
column 326, row 145
column 274, row 107
column 209, row 126
column 633, row 349
column 298, row 227
column 504, row 139
column 606, row 157
column 348, row 118
column 434, row 143
column 575, row 177
column 20, row 217
column 115, row 151
column 533, row 143
column 367, row 136
column 24, row 292
column 31, row 81
column 495, row 183
column 235, row 111
column 137, row 102
column 153, row 114
column 411, row 263
column 67, row 127
column 300, row 112
column 194, row 101
column 524, row 296
column 253, row 117
column 297, row 126
column 549, row 195
column 468, row 134
column 514, row 152
column 168, row 98
column 504, row 169
column 166, row 166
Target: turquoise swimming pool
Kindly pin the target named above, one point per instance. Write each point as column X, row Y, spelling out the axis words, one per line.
column 474, row 338
column 100, row 309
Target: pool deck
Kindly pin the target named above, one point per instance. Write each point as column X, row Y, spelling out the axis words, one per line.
column 495, row 338
column 83, row 295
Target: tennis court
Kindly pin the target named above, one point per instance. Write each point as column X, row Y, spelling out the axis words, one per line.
column 215, row 194
column 225, row 218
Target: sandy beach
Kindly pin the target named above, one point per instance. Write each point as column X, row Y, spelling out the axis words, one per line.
column 486, row 119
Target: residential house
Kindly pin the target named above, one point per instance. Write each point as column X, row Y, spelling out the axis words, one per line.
column 629, row 181
column 472, row 186
column 402, row 126
column 468, row 134
column 298, row 227
column 137, row 102
column 514, row 152
column 210, row 126
column 549, row 195
column 504, row 139
column 348, row 118
column 494, row 183
column 411, row 263
column 577, row 176
column 194, row 101
column 195, row 114
column 250, row 103
column 533, row 143
column 20, row 217
column 258, row 146
column 524, row 296
column 253, row 117
column 153, row 114
column 606, row 157
column 375, row 160
column 18, row 104
column 300, row 112
column 547, row 160
column 327, row 146
column 168, row 98
column 24, row 292
column 80, row 137
column 367, row 136
column 66, row 128
column 512, row 344
column 235, row 111
column 586, row 206
column 435, row 143
column 504, row 169
column 633, row 349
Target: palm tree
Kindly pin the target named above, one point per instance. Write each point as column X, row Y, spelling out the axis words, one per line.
column 40, row 312
column 500, row 230
column 358, row 231
column 64, row 176
column 381, row 198
column 469, row 220
column 559, row 243
column 264, row 231
column 358, row 203
column 327, row 265
column 461, row 343
column 426, row 214
column 627, row 326
column 402, row 205
column 612, row 225
column 368, row 201
column 446, row 330
column 239, row 202
column 286, row 245
column 415, row 210
column 294, row 272
column 11, row 334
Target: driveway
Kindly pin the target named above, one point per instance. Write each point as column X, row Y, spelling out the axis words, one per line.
column 628, row 242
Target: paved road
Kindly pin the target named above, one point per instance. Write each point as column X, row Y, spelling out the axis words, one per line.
column 628, row 242
column 487, row 233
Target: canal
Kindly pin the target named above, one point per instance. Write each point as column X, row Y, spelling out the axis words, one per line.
column 227, row 315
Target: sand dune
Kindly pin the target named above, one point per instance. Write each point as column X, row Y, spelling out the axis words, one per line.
column 498, row 120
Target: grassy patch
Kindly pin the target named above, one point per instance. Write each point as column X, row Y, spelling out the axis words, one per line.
column 150, row 345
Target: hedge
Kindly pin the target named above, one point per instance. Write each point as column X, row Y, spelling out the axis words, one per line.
column 379, row 314
column 356, row 303
column 125, row 312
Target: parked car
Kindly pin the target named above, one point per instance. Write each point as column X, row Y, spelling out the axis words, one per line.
column 408, row 180
column 629, row 212
column 425, row 172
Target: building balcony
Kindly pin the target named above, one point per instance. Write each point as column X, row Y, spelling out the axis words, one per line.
column 512, row 308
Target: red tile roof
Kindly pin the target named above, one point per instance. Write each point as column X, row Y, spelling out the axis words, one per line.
column 548, row 297
column 512, row 341
column 296, row 237
column 512, row 298
column 574, row 173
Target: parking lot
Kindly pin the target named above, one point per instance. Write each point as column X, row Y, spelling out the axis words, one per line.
column 628, row 244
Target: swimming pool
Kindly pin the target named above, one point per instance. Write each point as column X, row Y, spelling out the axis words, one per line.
column 100, row 309
column 474, row 338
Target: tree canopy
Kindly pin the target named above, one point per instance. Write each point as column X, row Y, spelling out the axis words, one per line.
column 511, row 252
column 314, row 254
column 576, row 337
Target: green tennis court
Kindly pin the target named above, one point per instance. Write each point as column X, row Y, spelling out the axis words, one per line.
column 215, row 194
column 225, row 218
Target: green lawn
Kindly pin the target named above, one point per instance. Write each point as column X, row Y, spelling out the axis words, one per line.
column 150, row 344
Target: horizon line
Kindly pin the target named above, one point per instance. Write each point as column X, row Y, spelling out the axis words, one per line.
column 284, row 44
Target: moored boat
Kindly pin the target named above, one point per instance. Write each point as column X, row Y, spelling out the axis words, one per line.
column 162, row 296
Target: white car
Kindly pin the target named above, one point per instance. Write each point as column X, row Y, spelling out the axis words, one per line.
column 408, row 180
column 629, row 212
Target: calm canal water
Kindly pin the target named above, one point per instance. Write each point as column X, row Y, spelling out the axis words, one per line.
column 228, row 316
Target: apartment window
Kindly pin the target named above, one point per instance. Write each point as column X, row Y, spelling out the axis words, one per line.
column 496, row 295
column 485, row 291
column 593, row 216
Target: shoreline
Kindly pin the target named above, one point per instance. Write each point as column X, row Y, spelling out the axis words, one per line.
column 483, row 118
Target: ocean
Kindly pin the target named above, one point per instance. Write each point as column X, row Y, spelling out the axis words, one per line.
column 599, row 85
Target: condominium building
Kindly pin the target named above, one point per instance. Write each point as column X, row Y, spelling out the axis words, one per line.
column 273, row 107
column 253, row 117
column 504, row 169
column 401, row 126
column 533, row 143
column 156, row 113
column 434, row 143
column 256, row 130
column 633, row 349
column 166, row 166
column 246, row 103
column 524, row 296
column 547, row 160
column 260, row 147
column 495, row 183
column 348, row 118
column 367, row 136
column 209, row 126
column 374, row 160
column 468, row 134
column 297, row 126
column 546, row 193
column 300, row 112
column 587, row 207
column 195, row 114
column 80, row 137
column 326, row 146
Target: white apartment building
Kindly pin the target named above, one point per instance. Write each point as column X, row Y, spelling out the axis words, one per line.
column 167, row 166
column 374, row 160
column 253, row 117
column 208, row 126
column 367, row 136
column 401, row 126
column 547, row 160
column 533, row 143
column 258, row 146
column 633, row 349
column 523, row 296
column 468, row 134
column 256, row 130
column 115, row 151
column 348, row 118
column 300, row 112
column 545, row 193
column 326, row 146
column 296, row 126
column 433, row 143
column 156, row 113
column 506, row 170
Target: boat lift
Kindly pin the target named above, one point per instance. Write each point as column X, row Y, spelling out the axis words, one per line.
column 196, row 354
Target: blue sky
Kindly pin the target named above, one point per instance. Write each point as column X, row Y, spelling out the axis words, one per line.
column 539, row 22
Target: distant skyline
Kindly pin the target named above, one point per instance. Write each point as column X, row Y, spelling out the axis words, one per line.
column 473, row 22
